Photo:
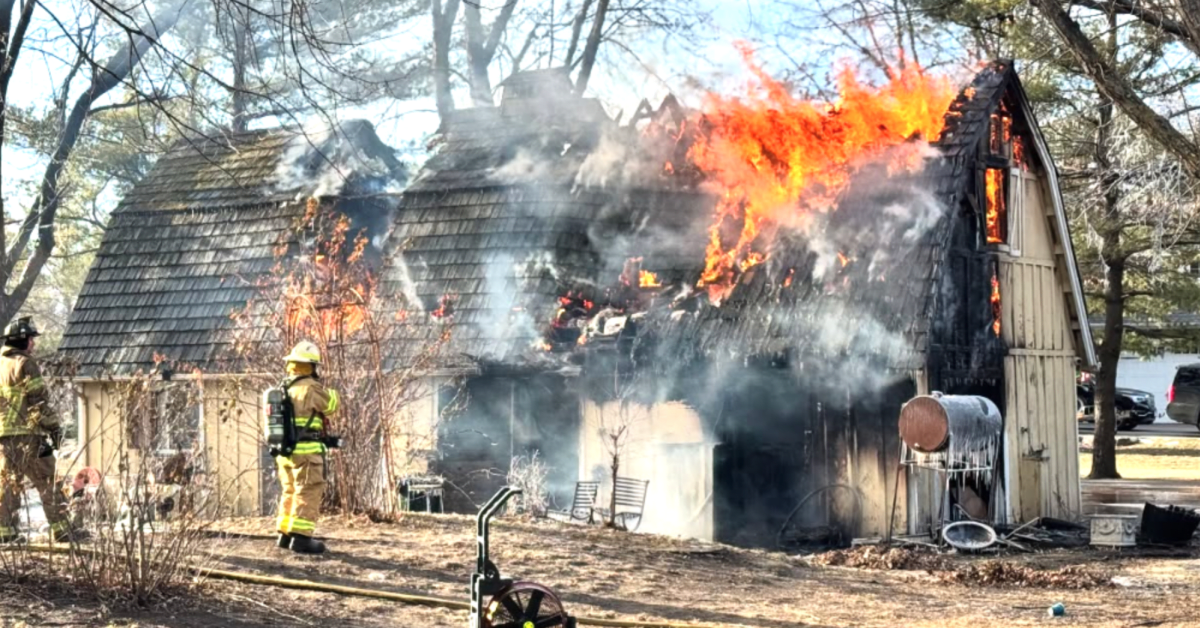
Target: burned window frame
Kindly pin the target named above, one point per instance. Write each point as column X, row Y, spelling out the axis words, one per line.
column 1004, row 154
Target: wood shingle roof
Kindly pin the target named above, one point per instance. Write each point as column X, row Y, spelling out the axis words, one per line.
column 184, row 249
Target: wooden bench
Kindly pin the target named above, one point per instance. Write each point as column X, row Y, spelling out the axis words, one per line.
column 582, row 503
column 630, row 501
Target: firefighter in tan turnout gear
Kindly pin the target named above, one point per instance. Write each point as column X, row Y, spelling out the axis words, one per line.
column 302, row 474
column 26, row 423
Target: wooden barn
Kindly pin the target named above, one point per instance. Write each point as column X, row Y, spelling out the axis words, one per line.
column 775, row 413
column 184, row 250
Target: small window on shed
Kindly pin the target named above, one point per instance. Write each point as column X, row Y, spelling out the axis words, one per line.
column 1000, row 144
column 1004, row 157
column 164, row 421
column 996, row 180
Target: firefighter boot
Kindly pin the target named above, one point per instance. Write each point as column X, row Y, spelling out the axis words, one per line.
column 307, row 545
column 284, row 541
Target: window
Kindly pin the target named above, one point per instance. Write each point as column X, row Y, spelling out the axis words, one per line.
column 997, row 205
column 1005, row 176
column 166, row 420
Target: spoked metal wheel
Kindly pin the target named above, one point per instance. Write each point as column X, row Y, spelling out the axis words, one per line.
column 525, row 605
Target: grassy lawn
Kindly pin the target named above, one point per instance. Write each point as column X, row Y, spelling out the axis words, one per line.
column 1155, row 458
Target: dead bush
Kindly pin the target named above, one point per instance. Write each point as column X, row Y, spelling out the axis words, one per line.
column 147, row 523
column 327, row 293
column 529, row 474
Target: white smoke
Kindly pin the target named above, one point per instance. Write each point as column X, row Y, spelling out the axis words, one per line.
column 610, row 163
column 320, row 159
column 526, row 167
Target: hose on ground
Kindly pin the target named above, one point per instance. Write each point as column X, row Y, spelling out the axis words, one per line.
column 403, row 598
column 852, row 490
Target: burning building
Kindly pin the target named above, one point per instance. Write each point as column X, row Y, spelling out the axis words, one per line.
column 187, row 248
column 732, row 302
column 904, row 240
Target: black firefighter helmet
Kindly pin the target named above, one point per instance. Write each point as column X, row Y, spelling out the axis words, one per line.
column 20, row 329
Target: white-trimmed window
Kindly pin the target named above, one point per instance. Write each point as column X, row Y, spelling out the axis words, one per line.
column 167, row 422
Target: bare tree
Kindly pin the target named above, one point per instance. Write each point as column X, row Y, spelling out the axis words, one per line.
column 443, row 29
column 481, row 47
column 588, row 60
column 24, row 256
column 1112, row 80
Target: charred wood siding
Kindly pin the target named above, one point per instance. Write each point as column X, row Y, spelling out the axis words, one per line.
column 782, row 440
column 502, row 418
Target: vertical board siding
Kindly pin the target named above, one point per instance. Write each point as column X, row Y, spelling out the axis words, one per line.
column 1040, row 423
column 1040, row 420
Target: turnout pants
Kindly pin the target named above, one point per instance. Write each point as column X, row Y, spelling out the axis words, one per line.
column 19, row 460
column 303, row 480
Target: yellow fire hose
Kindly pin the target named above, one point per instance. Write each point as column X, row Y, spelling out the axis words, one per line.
column 403, row 598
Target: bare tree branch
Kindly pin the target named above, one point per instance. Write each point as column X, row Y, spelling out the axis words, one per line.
column 1113, row 85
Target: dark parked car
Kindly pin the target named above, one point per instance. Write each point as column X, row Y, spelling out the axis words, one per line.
column 1134, row 407
column 1183, row 397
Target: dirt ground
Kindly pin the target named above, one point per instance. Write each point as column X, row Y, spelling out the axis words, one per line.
column 1155, row 458
column 610, row 574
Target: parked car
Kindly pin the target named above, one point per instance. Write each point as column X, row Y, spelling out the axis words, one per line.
column 1134, row 407
column 1183, row 397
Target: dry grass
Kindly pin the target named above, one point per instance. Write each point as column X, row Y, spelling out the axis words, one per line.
column 604, row 573
column 1155, row 458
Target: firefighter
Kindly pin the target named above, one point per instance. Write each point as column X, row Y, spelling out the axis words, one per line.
column 27, row 422
column 302, row 474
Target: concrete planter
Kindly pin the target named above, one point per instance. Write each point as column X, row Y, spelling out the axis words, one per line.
column 1114, row 530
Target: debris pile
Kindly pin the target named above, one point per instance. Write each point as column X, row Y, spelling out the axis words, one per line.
column 881, row 557
column 989, row 573
column 998, row 573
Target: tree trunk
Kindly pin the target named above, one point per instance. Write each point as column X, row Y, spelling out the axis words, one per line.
column 576, row 31
column 238, row 103
column 443, row 26
column 612, row 496
column 477, row 62
column 593, row 46
column 1104, row 442
column 481, row 49
column 1189, row 14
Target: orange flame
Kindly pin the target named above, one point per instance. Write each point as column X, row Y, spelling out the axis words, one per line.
column 445, row 307
column 776, row 158
column 787, row 281
column 995, row 204
column 996, row 305
column 842, row 259
column 647, row 279
column 753, row 258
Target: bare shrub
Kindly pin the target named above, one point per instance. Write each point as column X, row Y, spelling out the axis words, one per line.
column 139, row 520
column 147, row 524
column 327, row 293
column 529, row 474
